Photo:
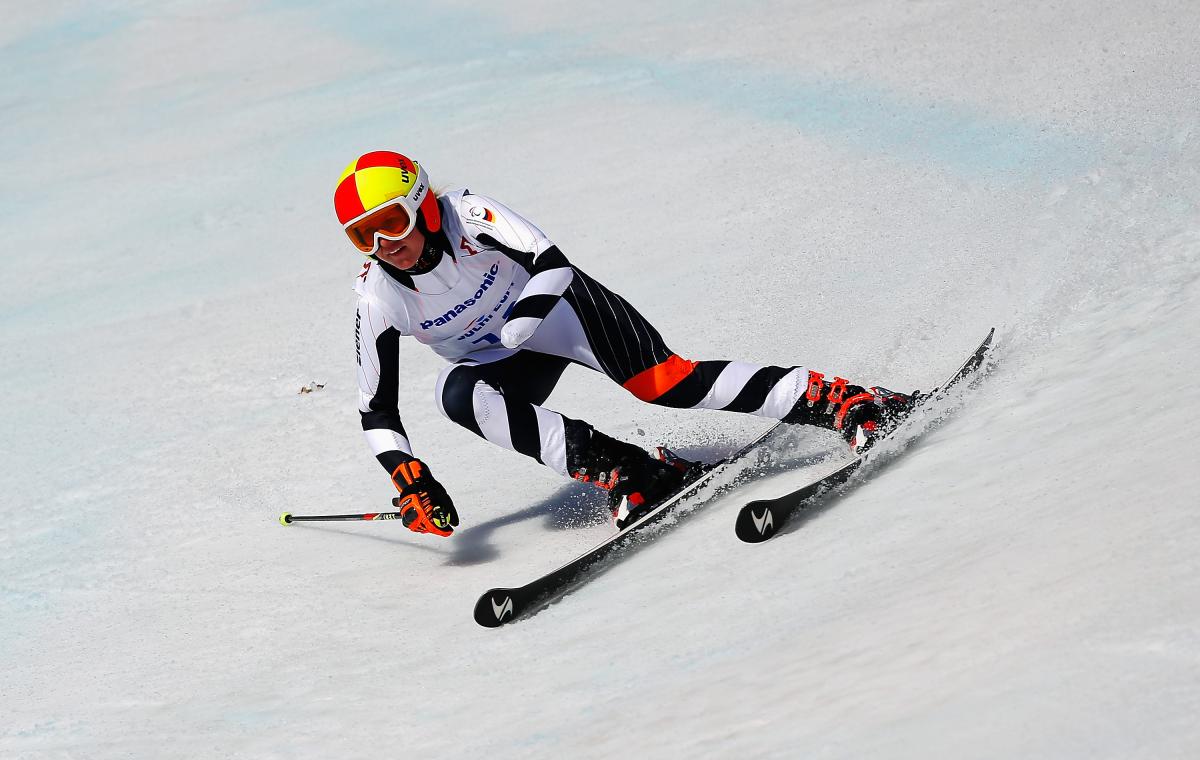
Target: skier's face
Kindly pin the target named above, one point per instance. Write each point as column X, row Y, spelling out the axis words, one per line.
column 402, row 254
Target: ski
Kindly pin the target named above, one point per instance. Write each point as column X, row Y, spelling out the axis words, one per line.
column 761, row 519
column 499, row 606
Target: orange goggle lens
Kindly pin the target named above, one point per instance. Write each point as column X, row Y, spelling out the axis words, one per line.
column 393, row 221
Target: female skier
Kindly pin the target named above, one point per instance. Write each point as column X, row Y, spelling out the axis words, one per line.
column 492, row 295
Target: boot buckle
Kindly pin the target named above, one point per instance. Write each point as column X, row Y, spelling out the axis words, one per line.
column 816, row 383
column 837, row 390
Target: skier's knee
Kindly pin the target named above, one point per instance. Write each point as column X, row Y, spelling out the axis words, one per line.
column 655, row 383
column 455, row 388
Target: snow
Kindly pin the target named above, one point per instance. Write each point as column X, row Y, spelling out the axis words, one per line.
column 862, row 188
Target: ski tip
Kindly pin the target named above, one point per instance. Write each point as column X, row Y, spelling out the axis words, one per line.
column 495, row 608
column 756, row 522
column 285, row 518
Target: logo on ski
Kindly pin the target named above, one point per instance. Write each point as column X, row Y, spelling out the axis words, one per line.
column 752, row 527
column 764, row 522
column 502, row 609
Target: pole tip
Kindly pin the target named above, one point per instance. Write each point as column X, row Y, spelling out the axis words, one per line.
column 285, row 518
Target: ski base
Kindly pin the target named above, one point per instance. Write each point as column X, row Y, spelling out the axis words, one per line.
column 761, row 519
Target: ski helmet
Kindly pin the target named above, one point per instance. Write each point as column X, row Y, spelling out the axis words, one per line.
column 385, row 178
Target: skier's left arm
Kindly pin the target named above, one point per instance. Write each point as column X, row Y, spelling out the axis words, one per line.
column 522, row 241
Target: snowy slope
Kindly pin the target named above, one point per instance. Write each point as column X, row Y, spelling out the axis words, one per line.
column 860, row 187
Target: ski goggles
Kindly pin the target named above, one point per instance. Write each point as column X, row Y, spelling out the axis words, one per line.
column 394, row 221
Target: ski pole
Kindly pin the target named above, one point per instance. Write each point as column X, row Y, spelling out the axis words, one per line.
column 287, row 518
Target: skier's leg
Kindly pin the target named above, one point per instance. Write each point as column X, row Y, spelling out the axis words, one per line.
column 603, row 330
column 595, row 326
column 501, row 402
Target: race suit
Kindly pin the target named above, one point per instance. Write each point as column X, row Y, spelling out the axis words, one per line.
column 509, row 312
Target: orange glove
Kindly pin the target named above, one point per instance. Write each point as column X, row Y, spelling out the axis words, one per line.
column 424, row 505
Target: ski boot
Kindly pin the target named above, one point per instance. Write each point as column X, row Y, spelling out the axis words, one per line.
column 636, row 482
column 860, row 415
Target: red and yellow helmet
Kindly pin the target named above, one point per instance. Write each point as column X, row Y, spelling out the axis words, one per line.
column 381, row 194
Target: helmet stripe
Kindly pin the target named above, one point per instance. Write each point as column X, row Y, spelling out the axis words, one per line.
column 388, row 158
column 380, row 184
column 346, row 200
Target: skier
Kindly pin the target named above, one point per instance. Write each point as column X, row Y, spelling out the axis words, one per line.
column 490, row 293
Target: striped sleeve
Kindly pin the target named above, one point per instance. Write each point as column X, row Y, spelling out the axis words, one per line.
column 539, row 296
column 521, row 240
column 377, row 344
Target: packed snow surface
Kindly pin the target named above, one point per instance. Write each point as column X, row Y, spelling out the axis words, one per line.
column 861, row 188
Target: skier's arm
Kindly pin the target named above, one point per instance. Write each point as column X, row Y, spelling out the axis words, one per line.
column 523, row 242
column 425, row 507
column 378, row 348
column 552, row 274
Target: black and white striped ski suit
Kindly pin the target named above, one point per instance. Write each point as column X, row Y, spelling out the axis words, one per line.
column 510, row 312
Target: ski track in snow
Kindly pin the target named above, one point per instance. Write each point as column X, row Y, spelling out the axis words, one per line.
column 860, row 189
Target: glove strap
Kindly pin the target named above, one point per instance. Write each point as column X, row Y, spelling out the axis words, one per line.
column 408, row 471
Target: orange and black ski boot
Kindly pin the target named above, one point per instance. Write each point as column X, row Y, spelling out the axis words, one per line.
column 860, row 415
column 636, row 482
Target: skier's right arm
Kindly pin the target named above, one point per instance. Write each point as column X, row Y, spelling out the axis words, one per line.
column 425, row 507
column 377, row 343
